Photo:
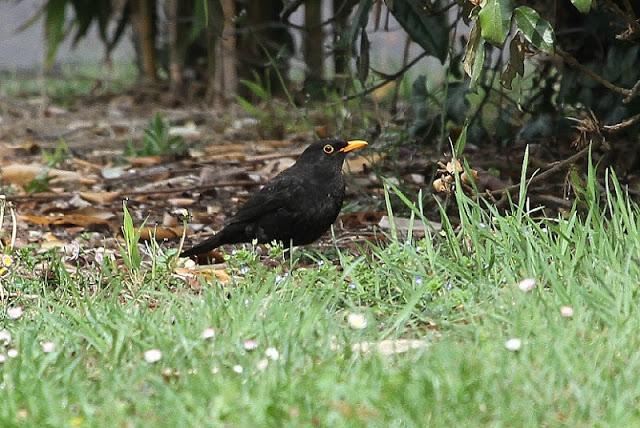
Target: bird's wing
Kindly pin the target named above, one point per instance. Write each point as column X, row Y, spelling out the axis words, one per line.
column 283, row 191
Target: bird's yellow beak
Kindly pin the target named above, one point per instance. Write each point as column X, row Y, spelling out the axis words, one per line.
column 354, row 145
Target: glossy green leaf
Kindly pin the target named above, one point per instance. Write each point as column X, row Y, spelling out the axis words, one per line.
column 495, row 20
column 534, row 29
column 584, row 6
column 431, row 32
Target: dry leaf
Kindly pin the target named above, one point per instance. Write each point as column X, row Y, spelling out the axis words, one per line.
column 222, row 149
column 84, row 217
column 208, row 272
column 276, row 166
column 361, row 219
column 181, row 202
column 361, row 163
column 404, row 224
column 101, row 198
column 21, row 174
column 161, row 233
column 145, row 160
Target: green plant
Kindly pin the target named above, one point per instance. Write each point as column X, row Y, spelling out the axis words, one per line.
column 157, row 141
column 39, row 184
column 129, row 251
column 271, row 114
column 56, row 157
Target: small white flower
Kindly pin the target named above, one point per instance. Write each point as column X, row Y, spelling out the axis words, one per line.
column 71, row 251
column 208, row 333
column 15, row 312
column 215, row 370
column 262, row 364
column 99, row 256
column 272, row 353
column 513, row 344
column 48, row 347
column 3, row 358
column 238, row 368
column 352, row 285
column 12, row 353
column 566, row 311
column 418, row 280
column 527, row 285
column 5, row 337
column 152, row 356
column 250, row 345
column 357, row 321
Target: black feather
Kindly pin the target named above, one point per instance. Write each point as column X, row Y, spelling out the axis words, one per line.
column 298, row 205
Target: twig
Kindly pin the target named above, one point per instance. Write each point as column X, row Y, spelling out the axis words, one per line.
column 387, row 78
column 67, row 195
column 629, row 94
column 628, row 17
column 551, row 169
column 633, row 120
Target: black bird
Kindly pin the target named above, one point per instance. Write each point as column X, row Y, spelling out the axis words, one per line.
column 298, row 205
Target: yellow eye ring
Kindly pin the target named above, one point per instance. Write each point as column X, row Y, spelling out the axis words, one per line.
column 328, row 149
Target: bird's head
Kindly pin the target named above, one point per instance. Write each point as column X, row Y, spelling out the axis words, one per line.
column 329, row 153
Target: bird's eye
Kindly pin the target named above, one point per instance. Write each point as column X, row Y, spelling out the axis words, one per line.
column 328, row 149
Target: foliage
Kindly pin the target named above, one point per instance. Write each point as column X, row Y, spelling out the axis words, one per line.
column 56, row 157
column 272, row 115
column 158, row 141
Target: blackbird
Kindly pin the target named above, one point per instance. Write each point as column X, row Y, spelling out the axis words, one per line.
column 297, row 206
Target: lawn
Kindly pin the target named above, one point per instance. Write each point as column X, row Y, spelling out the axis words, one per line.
column 317, row 339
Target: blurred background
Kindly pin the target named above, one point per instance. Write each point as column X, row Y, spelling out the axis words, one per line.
column 408, row 75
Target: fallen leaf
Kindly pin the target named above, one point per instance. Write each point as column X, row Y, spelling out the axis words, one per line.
column 404, row 224
column 221, row 149
column 21, row 174
column 361, row 219
column 84, row 217
column 161, row 233
column 208, row 272
column 276, row 166
column 181, row 202
column 189, row 130
column 361, row 163
column 145, row 160
column 101, row 198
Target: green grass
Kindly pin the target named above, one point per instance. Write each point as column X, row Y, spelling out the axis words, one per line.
column 456, row 290
column 70, row 81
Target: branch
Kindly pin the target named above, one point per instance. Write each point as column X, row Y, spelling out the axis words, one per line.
column 552, row 168
column 633, row 27
column 633, row 120
column 67, row 195
column 387, row 78
column 629, row 94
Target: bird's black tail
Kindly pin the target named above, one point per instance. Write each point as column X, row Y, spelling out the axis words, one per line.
column 203, row 247
column 228, row 235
